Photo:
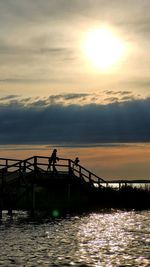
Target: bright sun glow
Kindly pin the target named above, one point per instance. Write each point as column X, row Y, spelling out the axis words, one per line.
column 103, row 48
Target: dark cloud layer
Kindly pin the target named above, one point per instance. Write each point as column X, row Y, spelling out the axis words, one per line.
column 117, row 122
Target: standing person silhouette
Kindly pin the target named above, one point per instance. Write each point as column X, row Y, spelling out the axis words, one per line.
column 52, row 161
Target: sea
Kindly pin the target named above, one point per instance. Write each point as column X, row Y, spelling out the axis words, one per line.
column 111, row 238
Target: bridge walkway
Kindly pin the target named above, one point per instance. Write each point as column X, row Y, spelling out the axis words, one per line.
column 18, row 178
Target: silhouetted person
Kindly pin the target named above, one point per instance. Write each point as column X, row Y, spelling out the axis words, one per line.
column 52, row 161
column 76, row 161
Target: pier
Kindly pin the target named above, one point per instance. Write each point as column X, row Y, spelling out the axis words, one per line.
column 31, row 185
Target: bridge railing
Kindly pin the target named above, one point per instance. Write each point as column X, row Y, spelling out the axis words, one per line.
column 85, row 174
column 6, row 162
column 11, row 167
column 11, row 170
column 35, row 163
column 68, row 165
column 64, row 165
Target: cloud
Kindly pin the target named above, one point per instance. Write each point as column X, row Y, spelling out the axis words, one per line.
column 74, row 96
column 118, row 122
column 41, row 43
column 43, row 37
column 80, row 99
column 112, row 99
column 8, row 97
column 39, row 103
column 128, row 13
column 127, row 98
column 33, row 49
column 27, row 79
column 108, row 92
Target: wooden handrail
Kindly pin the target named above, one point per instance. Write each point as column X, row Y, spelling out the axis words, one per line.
column 31, row 163
column 15, row 164
column 6, row 162
column 70, row 162
column 10, row 159
column 128, row 181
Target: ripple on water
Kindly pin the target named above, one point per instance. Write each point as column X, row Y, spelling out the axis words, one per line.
column 100, row 240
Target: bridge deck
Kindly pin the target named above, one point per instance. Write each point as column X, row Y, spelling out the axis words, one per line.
column 18, row 178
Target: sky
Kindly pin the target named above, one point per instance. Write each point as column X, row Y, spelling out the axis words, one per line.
column 55, row 89
column 110, row 161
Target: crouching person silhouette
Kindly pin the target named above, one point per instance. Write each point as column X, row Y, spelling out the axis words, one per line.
column 76, row 161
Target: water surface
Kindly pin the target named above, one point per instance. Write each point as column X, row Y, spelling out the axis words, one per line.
column 114, row 238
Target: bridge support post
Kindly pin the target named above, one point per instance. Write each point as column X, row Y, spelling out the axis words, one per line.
column 80, row 172
column 10, row 212
column 90, row 179
column 33, row 188
column 1, row 209
column 120, row 185
column 33, row 200
column 70, row 169
column 6, row 165
column 10, row 205
column 1, row 195
column 35, row 165
column 1, row 215
column 69, row 195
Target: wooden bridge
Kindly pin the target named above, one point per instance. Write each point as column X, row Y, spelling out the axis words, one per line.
column 21, row 181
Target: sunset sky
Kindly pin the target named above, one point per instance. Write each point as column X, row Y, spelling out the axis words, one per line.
column 74, row 71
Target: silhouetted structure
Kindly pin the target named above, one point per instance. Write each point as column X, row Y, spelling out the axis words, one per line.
column 27, row 185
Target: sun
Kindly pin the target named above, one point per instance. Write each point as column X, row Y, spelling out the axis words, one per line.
column 103, row 48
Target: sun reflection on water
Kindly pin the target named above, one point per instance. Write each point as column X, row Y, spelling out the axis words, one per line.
column 113, row 239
